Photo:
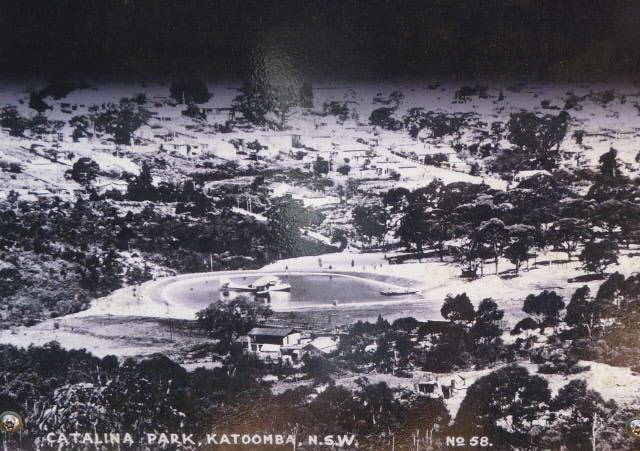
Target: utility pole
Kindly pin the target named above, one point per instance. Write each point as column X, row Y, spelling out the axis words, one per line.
column 594, row 431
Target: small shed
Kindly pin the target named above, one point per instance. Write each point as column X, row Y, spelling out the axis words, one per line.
column 524, row 175
column 321, row 346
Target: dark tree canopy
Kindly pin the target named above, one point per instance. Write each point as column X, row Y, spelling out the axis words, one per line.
column 228, row 320
column 598, row 255
column 458, row 308
column 320, row 167
column 503, row 405
column 343, row 169
column 370, row 222
column 567, row 233
column 581, row 411
column 37, row 102
column 583, row 313
column 414, row 227
column 267, row 102
column 610, row 165
column 190, row 90
column 488, row 311
column 121, row 120
column 546, row 305
column 141, row 187
column 524, row 324
column 84, row 171
column 285, row 220
column 538, row 137
column 383, row 118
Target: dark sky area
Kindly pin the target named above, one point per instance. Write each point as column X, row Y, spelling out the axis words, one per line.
column 543, row 39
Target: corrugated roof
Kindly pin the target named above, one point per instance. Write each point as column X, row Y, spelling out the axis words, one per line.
column 324, row 344
column 269, row 348
column 272, row 331
column 531, row 173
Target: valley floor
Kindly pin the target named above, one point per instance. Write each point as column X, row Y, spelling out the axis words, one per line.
column 139, row 321
column 125, row 322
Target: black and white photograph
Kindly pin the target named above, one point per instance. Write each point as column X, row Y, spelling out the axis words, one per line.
column 339, row 225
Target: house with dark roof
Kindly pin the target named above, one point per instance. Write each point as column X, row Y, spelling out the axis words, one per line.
column 267, row 342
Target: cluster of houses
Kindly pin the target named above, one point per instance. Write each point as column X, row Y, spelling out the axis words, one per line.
column 289, row 345
column 281, row 344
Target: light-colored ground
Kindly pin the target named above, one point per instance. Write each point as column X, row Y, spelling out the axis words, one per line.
column 619, row 384
column 109, row 327
column 605, row 125
column 434, row 279
column 122, row 336
column 156, row 298
column 438, row 279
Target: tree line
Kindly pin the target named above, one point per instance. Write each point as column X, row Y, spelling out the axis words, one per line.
column 475, row 224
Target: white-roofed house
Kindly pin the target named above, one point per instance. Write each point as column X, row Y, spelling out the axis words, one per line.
column 321, row 346
column 276, row 143
column 319, row 143
column 113, row 185
column 524, row 175
column 221, row 149
column 41, row 193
